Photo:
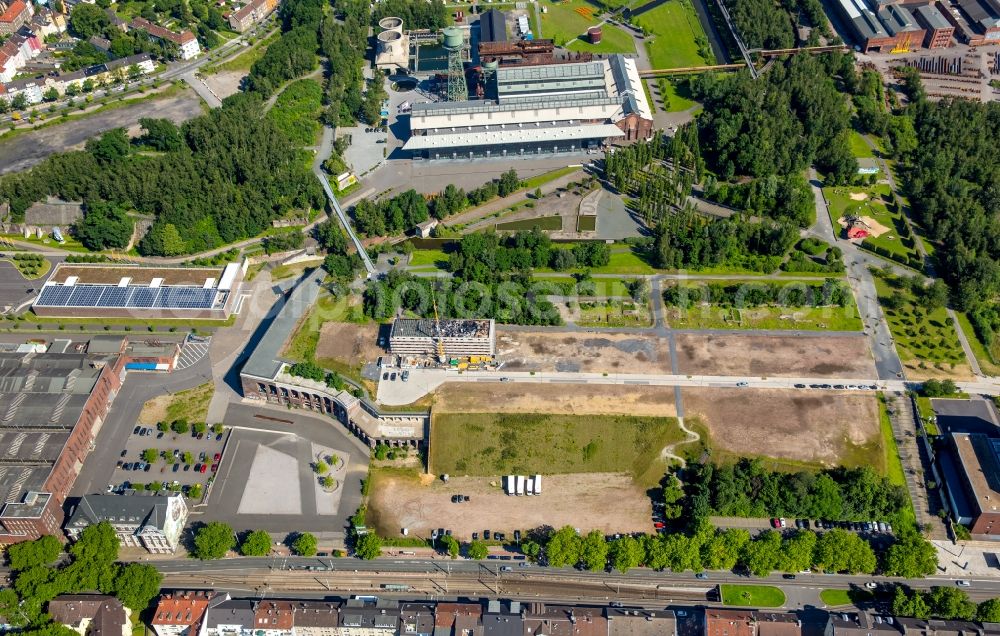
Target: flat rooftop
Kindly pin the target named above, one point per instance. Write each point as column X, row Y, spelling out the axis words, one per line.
column 113, row 274
column 415, row 328
column 978, row 456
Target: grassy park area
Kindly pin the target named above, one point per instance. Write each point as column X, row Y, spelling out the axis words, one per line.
column 799, row 318
column 889, row 235
column 752, row 595
column 614, row 313
column 844, row 597
column 296, row 111
column 859, row 147
column 567, row 22
column 675, row 37
column 547, row 223
column 488, row 444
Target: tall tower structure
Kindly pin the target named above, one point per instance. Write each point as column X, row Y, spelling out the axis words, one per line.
column 454, row 43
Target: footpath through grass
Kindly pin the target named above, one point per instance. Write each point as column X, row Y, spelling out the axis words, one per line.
column 752, row 595
column 489, row 444
column 893, row 464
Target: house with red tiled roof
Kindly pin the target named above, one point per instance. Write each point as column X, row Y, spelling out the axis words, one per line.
column 15, row 16
column 186, row 42
column 180, row 613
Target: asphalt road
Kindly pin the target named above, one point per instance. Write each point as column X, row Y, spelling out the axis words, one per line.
column 14, row 288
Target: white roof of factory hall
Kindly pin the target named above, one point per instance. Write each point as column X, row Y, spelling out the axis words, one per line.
column 513, row 136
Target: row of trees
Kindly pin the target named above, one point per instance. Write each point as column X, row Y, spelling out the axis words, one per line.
column 230, row 175
column 947, row 603
column 312, row 371
column 454, row 199
column 487, row 256
column 415, row 15
column 215, row 539
column 92, row 565
column 830, row 292
column 778, row 197
column 748, row 489
column 688, row 239
column 708, row 548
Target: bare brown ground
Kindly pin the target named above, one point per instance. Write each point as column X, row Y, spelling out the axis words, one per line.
column 596, row 353
column 349, row 343
column 961, row 372
column 781, row 356
column 225, row 83
column 787, row 424
column 606, row 502
column 583, row 399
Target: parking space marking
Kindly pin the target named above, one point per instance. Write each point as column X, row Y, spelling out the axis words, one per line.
column 191, row 353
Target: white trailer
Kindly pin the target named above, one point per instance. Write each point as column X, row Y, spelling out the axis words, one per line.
column 520, row 484
column 538, row 484
column 529, row 486
column 510, row 487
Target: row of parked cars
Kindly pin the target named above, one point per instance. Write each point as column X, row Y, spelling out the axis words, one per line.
column 841, row 387
column 857, row 526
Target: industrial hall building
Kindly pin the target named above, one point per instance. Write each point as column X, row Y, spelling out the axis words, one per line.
column 537, row 110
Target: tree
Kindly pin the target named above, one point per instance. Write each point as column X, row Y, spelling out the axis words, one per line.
column 368, row 546
column 199, row 428
column 256, row 543
column 51, row 95
column 910, row 604
column 160, row 134
column 761, row 555
column 797, row 551
column 163, row 239
column 187, row 457
column 321, row 467
column 104, row 226
column 842, row 551
column 150, row 455
column 88, row 20
column 950, row 603
column 625, row 553
column 213, row 540
column 20, row 101
column 564, row 548
column 911, row 556
column 136, row 584
column 450, row 545
column 112, row 145
column 989, row 611
column 29, row 554
column 478, row 550
column 304, row 544
column 4, row 105
column 531, row 548
column 594, row 551
column 180, row 426
column 195, row 491
column 509, row 182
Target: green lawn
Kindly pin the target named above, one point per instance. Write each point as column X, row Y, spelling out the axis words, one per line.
column 601, row 286
column 546, row 223
column 567, row 22
column 677, row 96
column 296, row 111
column 625, row 262
column 490, row 444
column 586, row 223
column 676, row 38
column 926, row 411
column 859, row 147
column 752, row 595
column 922, row 339
column 845, row 597
column 984, row 356
column 244, row 60
column 893, row 464
column 546, row 177
column 425, row 258
column 878, row 206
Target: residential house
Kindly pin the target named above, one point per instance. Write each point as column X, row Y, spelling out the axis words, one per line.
column 860, row 624
column 722, row 622
column 777, row 624
column 226, row 617
column 640, row 622
column 187, row 43
column 15, row 16
column 365, row 618
column 116, row 21
column 274, row 618
column 180, row 613
column 91, row 614
column 316, row 618
column 502, row 620
column 544, row 620
column 31, row 88
column 153, row 523
column 251, row 13
column 458, row 619
column 416, row 619
column 924, row 627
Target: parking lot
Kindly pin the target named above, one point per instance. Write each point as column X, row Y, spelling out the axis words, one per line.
column 202, row 455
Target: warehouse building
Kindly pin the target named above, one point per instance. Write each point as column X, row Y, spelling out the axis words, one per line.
column 970, row 470
column 493, row 26
column 901, row 24
column 939, row 31
column 976, row 22
column 53, row 407
column 460, row 338
column 117, row 291
column 537, row 110
column 876, row 25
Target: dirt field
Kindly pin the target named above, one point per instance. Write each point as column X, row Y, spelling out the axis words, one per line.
column 782, row 356
column 24, row 151
column 225, row 83
column 815, row 428
column 349, row 343
column 605, row 353
column 455, row 397
column 607, row 502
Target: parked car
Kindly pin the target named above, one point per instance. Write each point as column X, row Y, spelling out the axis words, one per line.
column 217, row 456
column 486, row 535
column 123, row 453
column 135, row 431
column 204, row 467
column 701, row 575
column 963, row 583
column 215, row 468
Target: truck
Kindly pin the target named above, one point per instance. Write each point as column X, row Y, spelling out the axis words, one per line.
column 529, row 486
column 538, row 484
column 510, row 487
column 520, row 484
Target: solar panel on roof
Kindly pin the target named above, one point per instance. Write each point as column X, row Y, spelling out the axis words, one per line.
column 113, row 297
column 143, row 297
column 54, row 296
column 85, row 296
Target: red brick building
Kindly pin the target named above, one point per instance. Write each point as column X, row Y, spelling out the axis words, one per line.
column 54, row 406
